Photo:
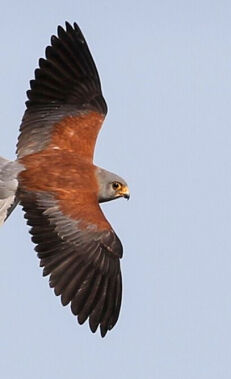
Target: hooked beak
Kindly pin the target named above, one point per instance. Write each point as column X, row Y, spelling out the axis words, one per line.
column 125, row 192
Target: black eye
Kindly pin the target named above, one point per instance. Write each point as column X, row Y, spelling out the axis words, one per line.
column 115, row 185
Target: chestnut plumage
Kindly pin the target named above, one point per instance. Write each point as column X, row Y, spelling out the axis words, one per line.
column 59, row 187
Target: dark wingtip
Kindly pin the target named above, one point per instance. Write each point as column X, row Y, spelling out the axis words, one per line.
column 69, row 27
column 93, row 325
column 60, row 31
column 103, row 331
column 68, row 74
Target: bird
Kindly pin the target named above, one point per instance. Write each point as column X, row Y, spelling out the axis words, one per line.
column 60, row 188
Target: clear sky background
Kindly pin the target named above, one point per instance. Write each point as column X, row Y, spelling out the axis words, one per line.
column 165, row 68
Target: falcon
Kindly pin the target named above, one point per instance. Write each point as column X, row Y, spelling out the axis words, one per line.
column 59, row 187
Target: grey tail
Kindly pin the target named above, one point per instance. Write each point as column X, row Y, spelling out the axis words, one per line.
column 9, row 171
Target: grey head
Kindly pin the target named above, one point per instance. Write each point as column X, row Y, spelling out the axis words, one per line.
column 111, row 186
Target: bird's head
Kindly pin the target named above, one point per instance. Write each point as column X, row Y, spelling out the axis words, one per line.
column 111, row 186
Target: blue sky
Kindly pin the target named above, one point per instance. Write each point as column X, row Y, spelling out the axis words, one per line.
column 165, row 69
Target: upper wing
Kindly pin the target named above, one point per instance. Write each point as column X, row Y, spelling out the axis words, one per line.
column 66, row 87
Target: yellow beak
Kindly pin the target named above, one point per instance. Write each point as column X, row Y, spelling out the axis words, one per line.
column 125, row 192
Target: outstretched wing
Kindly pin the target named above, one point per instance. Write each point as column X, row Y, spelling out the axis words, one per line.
column 81, row 258
column 66, row 87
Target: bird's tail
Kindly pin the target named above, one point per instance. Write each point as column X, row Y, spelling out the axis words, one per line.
column 9, row 171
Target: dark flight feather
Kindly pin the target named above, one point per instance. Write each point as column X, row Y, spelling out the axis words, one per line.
column 85, row 274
